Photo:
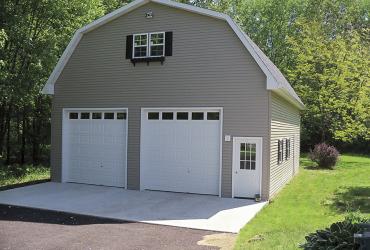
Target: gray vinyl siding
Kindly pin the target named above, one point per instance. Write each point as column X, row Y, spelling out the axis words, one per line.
column 285, row 123
column 209, row 68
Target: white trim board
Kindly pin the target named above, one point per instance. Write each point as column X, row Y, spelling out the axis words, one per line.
column 273, row 82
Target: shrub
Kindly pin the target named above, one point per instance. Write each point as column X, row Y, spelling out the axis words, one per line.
column 324, row 155
column 338, row 236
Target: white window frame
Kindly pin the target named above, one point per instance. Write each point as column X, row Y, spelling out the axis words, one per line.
column 133, row 45
column 148, row 44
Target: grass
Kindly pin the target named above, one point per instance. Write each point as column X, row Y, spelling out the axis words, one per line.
column 314, row 199
column 18, row 175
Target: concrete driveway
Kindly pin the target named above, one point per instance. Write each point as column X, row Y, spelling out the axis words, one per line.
column 164, row 208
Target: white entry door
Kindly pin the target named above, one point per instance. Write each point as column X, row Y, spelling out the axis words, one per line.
column 247, row 166
column 94, row 147
column 180, row 150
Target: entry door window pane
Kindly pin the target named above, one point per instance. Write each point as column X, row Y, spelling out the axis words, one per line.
column 247, row 165
column 242, row 164
column 253, row 165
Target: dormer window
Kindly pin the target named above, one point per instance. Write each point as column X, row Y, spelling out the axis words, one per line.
column 149, row 47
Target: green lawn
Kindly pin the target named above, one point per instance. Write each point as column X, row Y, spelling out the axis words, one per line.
column 313, row 199
column 11, row 175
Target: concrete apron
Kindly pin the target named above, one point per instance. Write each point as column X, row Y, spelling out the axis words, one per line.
column 164, row 208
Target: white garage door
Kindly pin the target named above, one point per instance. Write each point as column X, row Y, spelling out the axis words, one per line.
column 180, row 150
column 94, row 147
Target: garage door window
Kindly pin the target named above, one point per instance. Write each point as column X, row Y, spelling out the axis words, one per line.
column 197, row 115
column 213, row 116
column 121, row 116
column 153, row 116
column 109, row 116
column 167, row 116
column 85, row 116
column 182, row 116
column 96, row 115
column 73, row 116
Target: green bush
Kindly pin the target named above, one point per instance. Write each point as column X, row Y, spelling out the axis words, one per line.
column 338, row 236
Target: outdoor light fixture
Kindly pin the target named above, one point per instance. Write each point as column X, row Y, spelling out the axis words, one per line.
column 149, row 14
column 257, row 197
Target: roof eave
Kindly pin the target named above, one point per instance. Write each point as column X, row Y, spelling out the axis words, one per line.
column 287, row 96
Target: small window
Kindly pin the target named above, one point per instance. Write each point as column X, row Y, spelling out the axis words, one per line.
column 287, row 149
column 73, row 116
column 140, row 45
column 167, row 115
column 85, row 115
column 213, row 116
column 153, row 116
column 109, row 116
column 280, row 151
column 121, row 116
column 182, row 115
column 197, row 116
column 96, row 115
column 156, row 44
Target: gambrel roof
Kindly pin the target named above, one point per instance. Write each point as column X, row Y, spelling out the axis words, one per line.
column 275, row 79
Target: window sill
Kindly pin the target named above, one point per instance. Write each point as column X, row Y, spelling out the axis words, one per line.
column 148, row 60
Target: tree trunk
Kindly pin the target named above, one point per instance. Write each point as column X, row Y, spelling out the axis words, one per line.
column 7, row 161
column 2, row 128
column 35, row 141
column 23, row 143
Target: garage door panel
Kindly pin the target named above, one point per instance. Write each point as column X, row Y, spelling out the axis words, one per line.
column 180, row 155
column 96, row 150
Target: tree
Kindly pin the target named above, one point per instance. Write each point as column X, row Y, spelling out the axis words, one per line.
column 36, row 34
column 331, row 75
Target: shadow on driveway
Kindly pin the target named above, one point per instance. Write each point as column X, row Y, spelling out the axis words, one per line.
column 15, row 213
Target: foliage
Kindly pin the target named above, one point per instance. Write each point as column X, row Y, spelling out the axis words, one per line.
column 10, row 175
column 307, row 203
column 33, row 36
column 331, row 76
column 324, row 155
column 338, row 236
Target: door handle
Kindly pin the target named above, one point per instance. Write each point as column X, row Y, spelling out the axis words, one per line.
column 236, row 172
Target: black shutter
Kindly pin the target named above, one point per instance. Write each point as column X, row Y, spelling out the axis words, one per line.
column 168, row 48
column 129, row 40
